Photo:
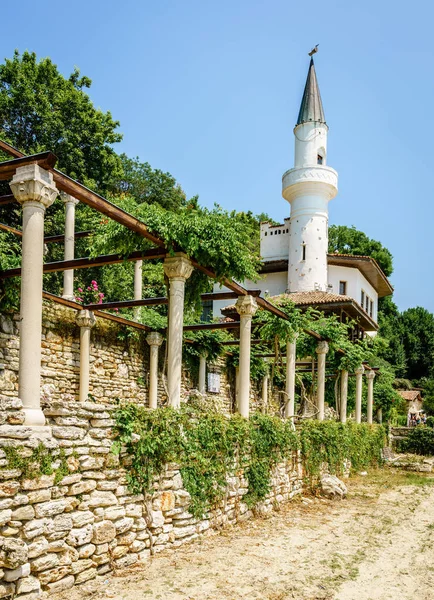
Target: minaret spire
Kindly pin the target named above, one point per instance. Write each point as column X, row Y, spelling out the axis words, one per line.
column 309, row 187
column 311, row 108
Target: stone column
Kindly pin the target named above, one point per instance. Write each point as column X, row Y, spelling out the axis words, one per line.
column 154, row 340
column 202, row 374
column 85, row 319
column 290, row 378
column 68, row 276
column 178, row 269
column 370, row 375
column 138, row 285
column 237, row 389
column 359, row 385
column 246, row 307
column 265, row 381
column 321, row 349
column 344, row 396
column 380, row 415
column 34, row 189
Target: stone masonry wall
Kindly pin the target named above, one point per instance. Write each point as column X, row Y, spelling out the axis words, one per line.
column 54, row 535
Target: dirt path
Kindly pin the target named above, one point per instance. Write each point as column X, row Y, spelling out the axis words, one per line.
column 376, row 545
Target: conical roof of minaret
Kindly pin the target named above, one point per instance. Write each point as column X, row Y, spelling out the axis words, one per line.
column 311, row 105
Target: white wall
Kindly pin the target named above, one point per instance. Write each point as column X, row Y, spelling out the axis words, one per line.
column 356, row 282
column 275, row 241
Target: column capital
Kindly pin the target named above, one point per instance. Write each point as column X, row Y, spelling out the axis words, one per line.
column 85, row 318
column 370, row 375
column 246, row 306
column 68, row 199
column 33, row 184
column 154, row 338
column 322, row 348
column 178, row 266
column 360, row 370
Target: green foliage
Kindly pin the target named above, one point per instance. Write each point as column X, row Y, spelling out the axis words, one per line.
column 271, row 441
column 417, row 334
column 331, row 443
column 420, row 440
column 348, row 240
column 145, row 184
column 39, row 462
column 209, row 447
column 42, row 110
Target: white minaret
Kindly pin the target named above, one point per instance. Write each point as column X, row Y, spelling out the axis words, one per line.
column 308, row 187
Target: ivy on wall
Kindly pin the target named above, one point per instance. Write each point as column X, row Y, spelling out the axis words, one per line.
column 208, row 447
column 39, row 461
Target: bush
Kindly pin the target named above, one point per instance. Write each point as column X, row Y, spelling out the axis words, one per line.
column 420, row 440
column 430, row 421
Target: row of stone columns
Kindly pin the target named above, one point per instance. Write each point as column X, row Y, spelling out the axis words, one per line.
column 34, row 189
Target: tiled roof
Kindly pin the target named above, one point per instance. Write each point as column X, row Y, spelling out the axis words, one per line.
column 301, row 298
column 409, row 394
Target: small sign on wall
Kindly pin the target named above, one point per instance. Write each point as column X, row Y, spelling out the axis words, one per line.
column 214, row 383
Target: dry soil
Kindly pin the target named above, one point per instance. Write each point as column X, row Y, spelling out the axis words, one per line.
column 378, row 544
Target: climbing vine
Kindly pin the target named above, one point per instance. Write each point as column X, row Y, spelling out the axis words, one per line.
column 41, row 461
column 209, row 447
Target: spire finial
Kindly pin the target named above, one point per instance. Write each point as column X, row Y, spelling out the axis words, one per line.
column 311, row 106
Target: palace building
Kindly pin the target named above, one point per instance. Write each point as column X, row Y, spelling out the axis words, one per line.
column 295, row 253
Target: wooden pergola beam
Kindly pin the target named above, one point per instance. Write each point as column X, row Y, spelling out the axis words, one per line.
column 160, row 300
column 52, row 239
column 8, row 199
column 46, row 160
column 98, row 313
column 87, row 263
column 211, row 326
column 10, row 229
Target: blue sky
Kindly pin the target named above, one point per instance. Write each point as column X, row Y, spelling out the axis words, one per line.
column 210, row 92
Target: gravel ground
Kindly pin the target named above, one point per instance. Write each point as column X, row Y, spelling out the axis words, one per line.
column 378, row 544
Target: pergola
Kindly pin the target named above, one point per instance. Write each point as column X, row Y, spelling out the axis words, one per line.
column 35, row 184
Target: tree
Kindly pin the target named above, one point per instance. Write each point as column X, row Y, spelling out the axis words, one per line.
column 42, row 110
column 349, row 240
column 418, row 340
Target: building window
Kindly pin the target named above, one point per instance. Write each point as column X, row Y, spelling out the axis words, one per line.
column 371, row 308
column 206, row 316
column 303, row 252
column 343, row 288
column 319, row 159
column 362, row 299
column 367, row 304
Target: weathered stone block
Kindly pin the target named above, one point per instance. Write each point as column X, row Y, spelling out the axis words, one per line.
column 13, row 553
column 24, row 513
column 27, row 585
column 82, row 517
column 86, row 550
column 123, row 525
column 42, row 563
column 49, row 509
column 102, row 499
column 55, row 574
column 45, row 481
column 7, row 589
column 86, row 575
column 9, row 488
column 14, row 574
column 81, row 565
column 82, row 487
column 60, row 586
column 115, row 512
column 103, row 532
column 5, row 516
column 80, row 536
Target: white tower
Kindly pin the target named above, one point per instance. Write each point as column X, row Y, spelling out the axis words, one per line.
column 308, row 187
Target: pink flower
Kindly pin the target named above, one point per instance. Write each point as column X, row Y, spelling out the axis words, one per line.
column 80, row 290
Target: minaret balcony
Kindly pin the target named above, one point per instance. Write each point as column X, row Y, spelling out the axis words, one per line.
column 313, row 180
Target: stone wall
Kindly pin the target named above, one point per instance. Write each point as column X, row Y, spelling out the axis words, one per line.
column 119, row 362
column 57, row 533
